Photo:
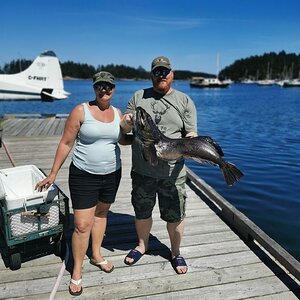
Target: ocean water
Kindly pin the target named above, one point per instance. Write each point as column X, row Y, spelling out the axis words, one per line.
column 258, row 130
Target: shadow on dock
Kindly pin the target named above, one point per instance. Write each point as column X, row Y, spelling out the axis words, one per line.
column 120, row 235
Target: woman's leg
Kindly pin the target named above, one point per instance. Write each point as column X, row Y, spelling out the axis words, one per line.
column 83, row 223
column 98, row 231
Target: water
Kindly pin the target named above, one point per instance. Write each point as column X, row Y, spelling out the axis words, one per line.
column 258, row 130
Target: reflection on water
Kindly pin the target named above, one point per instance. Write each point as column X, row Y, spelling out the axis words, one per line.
column 258, row 130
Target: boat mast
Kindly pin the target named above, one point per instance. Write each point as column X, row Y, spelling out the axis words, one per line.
column 218, row 64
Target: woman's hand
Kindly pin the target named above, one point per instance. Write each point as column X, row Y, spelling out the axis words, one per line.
column 45, row 184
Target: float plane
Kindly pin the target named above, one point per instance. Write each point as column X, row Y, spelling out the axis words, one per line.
column 42, row 80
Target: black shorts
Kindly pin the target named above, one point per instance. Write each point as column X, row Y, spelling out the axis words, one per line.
column 88, row 189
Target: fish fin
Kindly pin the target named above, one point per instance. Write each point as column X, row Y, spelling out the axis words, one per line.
column 149, row 154
column 209, row 140
column 230, row 172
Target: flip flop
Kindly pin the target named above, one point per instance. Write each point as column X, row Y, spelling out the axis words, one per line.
column 100, row 264
column 77, row 283
column 133, row 254
column 178, row 261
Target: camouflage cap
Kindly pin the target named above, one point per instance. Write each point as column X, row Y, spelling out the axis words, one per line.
column 103, row 77
column 161, row 61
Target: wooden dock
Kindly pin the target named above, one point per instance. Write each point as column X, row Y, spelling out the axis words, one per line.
column 228, row 256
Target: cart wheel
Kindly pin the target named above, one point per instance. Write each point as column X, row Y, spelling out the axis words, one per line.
column 15, row 261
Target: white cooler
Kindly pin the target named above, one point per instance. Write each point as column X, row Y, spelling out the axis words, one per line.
column 17, row 187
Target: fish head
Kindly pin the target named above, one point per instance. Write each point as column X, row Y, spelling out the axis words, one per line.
column 144, row 126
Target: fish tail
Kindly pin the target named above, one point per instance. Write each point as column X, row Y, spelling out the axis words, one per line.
column 230, row 172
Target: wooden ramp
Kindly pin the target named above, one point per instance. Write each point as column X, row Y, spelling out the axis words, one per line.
column 221, row 264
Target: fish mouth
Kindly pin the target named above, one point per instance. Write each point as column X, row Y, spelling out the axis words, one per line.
column 142, row 125
column 140, row 117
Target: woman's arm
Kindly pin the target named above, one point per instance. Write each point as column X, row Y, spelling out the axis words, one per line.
column 65, row 145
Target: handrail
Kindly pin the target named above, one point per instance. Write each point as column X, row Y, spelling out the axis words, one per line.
column 245, row 227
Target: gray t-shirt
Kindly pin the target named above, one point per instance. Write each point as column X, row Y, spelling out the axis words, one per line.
column 175, row 115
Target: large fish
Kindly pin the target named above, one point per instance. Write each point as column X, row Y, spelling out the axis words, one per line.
column 201, row 149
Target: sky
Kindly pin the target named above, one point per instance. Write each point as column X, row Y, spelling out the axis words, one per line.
column 196, row 35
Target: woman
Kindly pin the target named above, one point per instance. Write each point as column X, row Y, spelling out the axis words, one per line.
column 94, row 174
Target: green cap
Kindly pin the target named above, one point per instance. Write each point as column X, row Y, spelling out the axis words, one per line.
column 103, row 77
column 161, row 61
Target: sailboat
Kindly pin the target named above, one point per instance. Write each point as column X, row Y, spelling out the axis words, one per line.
column 41, row 80
column 267, row 81
column 288, row 82
column 291, row 83
column 202, row 82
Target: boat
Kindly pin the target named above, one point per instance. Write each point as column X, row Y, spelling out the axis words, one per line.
column 42, row 80
column 202, row 82
column 291, row 83
column 267, row 81
column 227, row 81
column 248, row 81
column 214, row 82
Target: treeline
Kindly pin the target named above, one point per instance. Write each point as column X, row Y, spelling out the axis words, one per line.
column 269, row 65
column 85, row 71
column 15, row 66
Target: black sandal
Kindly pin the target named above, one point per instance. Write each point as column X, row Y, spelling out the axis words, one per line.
column 178, row 261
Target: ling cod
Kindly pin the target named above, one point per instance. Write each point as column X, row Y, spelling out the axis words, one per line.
column 201, row 149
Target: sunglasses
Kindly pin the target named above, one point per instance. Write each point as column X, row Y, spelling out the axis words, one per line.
column 161, row 72
column 104, row 86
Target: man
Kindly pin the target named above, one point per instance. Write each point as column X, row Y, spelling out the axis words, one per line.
column 175, row 115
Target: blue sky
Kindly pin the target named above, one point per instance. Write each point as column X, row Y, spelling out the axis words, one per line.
column 133, row 32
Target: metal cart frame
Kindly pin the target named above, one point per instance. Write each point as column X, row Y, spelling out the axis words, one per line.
column 42, row 241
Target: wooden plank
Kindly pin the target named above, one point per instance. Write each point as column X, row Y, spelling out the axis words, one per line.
column 50, row 123
column 247, row 228
column 10, row 129
column 53, row 128
column 229, row 291
column 44, row 127
column 278, row 296
column 41, row 125
column 60, row 127
column 34, row 126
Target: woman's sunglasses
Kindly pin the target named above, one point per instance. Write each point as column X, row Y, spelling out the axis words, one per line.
column 104, row 86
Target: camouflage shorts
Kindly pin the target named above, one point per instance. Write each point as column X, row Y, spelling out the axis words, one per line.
column 170, row 192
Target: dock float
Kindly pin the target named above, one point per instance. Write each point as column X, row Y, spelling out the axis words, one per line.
column 229, row 257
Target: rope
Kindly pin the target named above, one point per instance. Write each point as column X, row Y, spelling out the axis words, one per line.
column 60, row 274
column 8, row 154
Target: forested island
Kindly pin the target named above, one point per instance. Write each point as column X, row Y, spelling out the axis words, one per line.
column 271, row 65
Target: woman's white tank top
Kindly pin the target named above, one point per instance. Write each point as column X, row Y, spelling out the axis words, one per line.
column 97, row 150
